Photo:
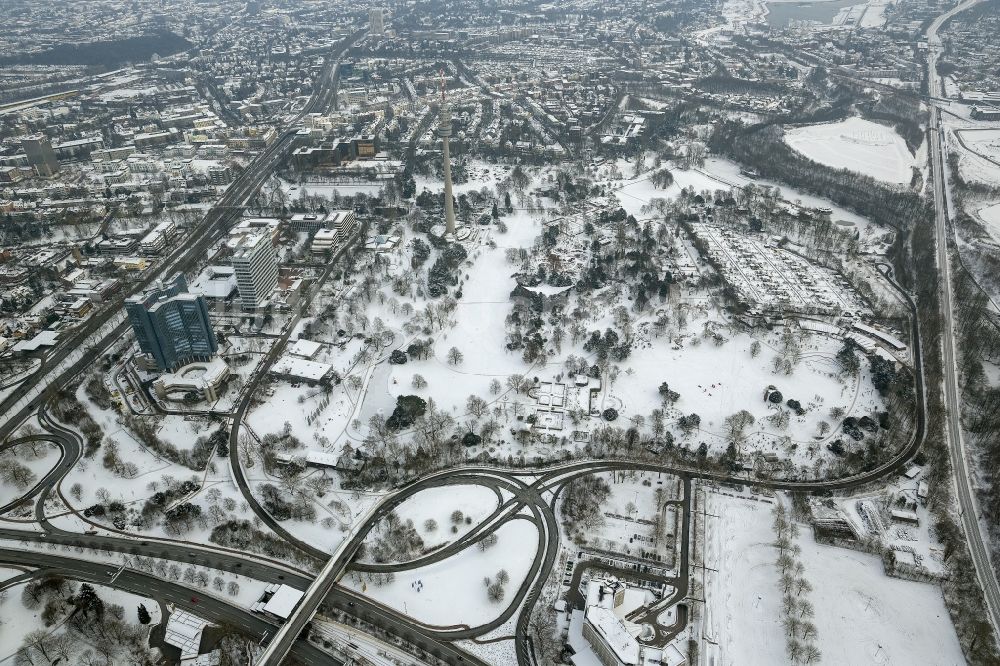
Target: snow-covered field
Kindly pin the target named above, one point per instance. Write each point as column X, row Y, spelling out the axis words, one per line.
column 330, row 190
column 889, row 621
column 862, row 615
column 437, row 504
column 294, row 405
column 990, row 215
column 856, row 144
column 984, row 142
column 743, row 600
column 975, row 168
column 722, row 174
column 715, row 381
column 451, row 592
column 874, row 16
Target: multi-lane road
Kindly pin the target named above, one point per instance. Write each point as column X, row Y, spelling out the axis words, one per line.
column 205, row 606
column 962, row 471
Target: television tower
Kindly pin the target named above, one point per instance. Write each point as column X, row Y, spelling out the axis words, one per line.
column 444, row 131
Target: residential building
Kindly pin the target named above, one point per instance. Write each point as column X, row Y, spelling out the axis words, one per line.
column 339, row 226
column 376, row 21
column 172, row 325
column 156, row 240
column 38, row 148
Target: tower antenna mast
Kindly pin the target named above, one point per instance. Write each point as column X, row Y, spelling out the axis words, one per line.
column 444, row 130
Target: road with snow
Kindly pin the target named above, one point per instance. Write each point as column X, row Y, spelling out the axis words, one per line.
column 962, row 471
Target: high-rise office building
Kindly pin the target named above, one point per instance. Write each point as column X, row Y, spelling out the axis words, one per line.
column 256, row 265
column 172, row 325
column 38, row 148
column 376, row 21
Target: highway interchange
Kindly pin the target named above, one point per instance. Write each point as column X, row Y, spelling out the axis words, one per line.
column 533, row 491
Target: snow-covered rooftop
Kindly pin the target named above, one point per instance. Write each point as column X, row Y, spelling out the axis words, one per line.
column 304, row 348
column 611, row 629
column 300, row 368
column 184, row 632
column 283, row 601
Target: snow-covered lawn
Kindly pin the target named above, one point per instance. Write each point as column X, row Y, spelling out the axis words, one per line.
column 437, row 504
column 182, row 431
column 889, row 621
column 632, row 499
column 743, row 607
column 19, row 621
column 716, row 381
column 990, row 215
column 479, row 173
column 336, row 511
column 284, row 406
column 856, row 144
column 723, row 174
column 48, row 457
column 152, row 475
column 451, row 592
column 479, row 333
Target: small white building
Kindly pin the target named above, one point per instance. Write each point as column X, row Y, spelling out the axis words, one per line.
column 305, row 348
column 299, row 369
column 184, row 632
column 279, row 601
